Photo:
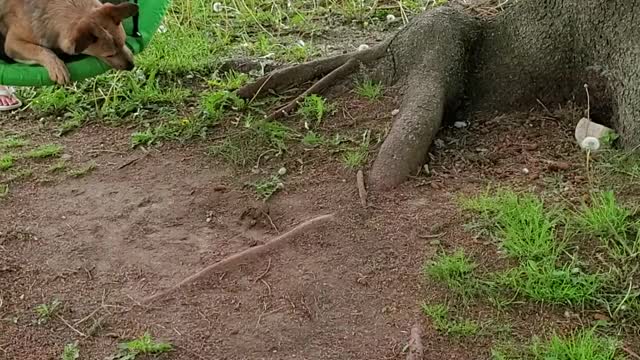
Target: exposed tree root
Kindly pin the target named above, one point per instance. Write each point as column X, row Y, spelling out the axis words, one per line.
column 415, row 349
column 362, row 190
column 243, row 256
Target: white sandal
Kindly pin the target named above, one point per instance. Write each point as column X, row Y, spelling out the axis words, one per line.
column 9, row 91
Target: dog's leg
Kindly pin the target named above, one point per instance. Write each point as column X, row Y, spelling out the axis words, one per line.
column 26, row 52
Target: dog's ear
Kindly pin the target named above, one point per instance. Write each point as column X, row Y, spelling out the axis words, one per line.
column 121, row 11
column 83, row 37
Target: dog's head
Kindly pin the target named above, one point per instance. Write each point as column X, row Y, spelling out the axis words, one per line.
column 102, row 35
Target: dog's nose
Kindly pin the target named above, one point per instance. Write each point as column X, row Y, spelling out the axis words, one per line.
column 130, row 65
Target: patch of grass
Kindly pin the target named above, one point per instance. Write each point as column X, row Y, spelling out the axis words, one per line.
column 11, row 142
column 45, row 151
column 583, row 345
column 612, row 223
column 439, row 315
column 266, row 188
column 57, row 167
column 82, row 171
column 355, row 158
column 369, row 89
column 311, row 139
column 455, row 270
column 46, row 311
column 6, row 161
column 524, row 228
column 544, row 282
column 144, row 345
column 70, row 352
column 314, row 109
column 4, row 190
column 231, row 80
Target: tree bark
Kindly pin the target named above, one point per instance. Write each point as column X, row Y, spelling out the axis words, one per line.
column 536, row 51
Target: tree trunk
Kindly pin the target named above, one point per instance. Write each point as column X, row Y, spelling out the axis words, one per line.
column 535, row 51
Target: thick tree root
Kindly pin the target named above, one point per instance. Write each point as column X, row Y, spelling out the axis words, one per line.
column 243, row 256
column 415, row 349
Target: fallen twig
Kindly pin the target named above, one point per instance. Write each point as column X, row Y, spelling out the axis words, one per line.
column 264, row 273
column 71, row 327
column 631, row 353
column 362, row 190
column 415, row 351
column 228, row 262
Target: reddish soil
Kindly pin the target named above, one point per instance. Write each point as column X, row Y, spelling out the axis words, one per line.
column 348, row 290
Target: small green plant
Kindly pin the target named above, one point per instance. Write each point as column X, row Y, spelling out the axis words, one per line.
column 583, row 345
column 46, row 311
column 267, row 187
column 311, row 139
column 355, row 158
column 605, row 218
column 6, row 161
column 82, row 171
column 231, row 80
column 369, row 89
column 314, row 109
column 439, row 315
column 71, row 351
column 12, row 142
column 143, row 138
column 144, row 345
column 4, row 190
column 45, row 151
column 455, row 270
column 213, row 104
column 57, row 167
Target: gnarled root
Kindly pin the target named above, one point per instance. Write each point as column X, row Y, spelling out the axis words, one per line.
column 428, row 58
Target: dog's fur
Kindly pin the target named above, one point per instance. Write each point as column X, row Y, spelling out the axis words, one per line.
column 34, row 30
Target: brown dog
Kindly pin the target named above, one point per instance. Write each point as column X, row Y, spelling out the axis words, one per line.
column 34, row 30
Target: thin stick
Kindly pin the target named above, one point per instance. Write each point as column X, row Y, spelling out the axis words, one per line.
column 264, row 273
column 71, row 327
column 228, row 262
column 362, row 190
column 631, row 353
column 416, row 350
column 317, row 88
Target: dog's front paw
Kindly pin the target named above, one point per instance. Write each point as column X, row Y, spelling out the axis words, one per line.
column 58, row 72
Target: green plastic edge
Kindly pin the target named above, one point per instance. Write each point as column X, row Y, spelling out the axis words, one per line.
column 151, row 14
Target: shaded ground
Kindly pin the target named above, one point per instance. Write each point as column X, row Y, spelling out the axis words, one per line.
column 351, row 290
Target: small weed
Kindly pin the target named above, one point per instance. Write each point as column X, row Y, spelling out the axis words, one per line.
column 314, row 109
column 12, row 142
column 267, row 187
column 143, row 138
column 311, row 139
column 213, row 104
column 439, row 314
column 68, row 126
column 355, row 158
column 71, row 351
column 583, row 345
column 6, row 161
column 455, row 270
column 4, row 190
column 46, row 311
column 231, row 80
column 80, row 172
column 57, row 167
column 45, row 151
column 144, row 345
column 369, row 89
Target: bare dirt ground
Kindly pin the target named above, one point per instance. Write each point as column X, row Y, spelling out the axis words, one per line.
column 350, row 289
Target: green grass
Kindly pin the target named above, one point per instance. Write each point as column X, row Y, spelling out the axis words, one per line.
column 12, row 142
column 439, row 315
column 369, row 89
column 582, row 345
column 45, row 312
column 455, row 270
column 520, row 222
column 144, row 345
column 83, row 170
column 45, row 151
column 4, row 190
column 71, row 352
column 266, row 188
column 7, row 161
column 314, row 109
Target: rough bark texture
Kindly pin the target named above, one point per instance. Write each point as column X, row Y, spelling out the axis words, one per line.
column 535, row 51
